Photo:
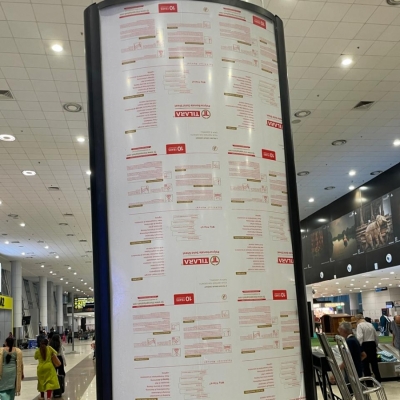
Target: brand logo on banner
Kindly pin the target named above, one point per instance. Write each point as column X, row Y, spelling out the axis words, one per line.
column 179, row 148
column 185, row 298
column 214, row 260
column 196, row 261
column 279, row 294
column 274, row 124
column 168, row 8
column 188, row 114
column 206, row 114
column 268, row 154
column 285, row 260
column 259, row 22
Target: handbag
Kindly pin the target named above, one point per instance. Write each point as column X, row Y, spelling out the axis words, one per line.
column 55, row 360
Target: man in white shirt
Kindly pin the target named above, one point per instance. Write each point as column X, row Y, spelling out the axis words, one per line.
column 368, row 338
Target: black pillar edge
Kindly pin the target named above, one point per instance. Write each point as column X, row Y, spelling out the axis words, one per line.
column 99, row 204
column 294, row 217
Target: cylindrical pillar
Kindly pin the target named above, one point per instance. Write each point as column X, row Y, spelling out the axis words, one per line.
column 60, row 308
column 353, row 299
column 16, row 293
column 43, row 301
column 50, row 305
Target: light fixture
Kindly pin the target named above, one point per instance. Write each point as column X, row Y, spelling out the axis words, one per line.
column 57, row 256
column 46, row 247
column 29, row 173
column 66, row 283
column 393, row 2
column 22, row 224
column 346, row 62
column 311, row 200
column 392, row 273
column 61, row 279
column 351, row 290
column 57, row 48
column 88, row 172
column 42, row 266
column 74, row 273
column 69, row 267
column 363, row 188
column 22, row 254
column 80, row 139
column 351, row 187
column 339, row 142
column 50, row 272
column 329, row 188
column 352, row 172
column 353, row 280
column 7, row 242
column 337, row 283
column 321, row 220
column 390, row 284
column 72, row 107
column 81, row 280
column 73, row 287
column 302, row 230
column 85, row 283
column 365, row 285
column 396, row 142
column 379, row 283
column 7, row 138
column 302, row 113
column 351, row 284
column 303, row 173
column 54, row 273
column 373, row 173
column 366, row 281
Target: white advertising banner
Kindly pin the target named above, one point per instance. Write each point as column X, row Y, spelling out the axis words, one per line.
column 202, row 282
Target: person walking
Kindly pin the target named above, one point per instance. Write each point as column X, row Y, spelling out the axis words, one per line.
column 11, row 370
column 395, row 328
column 55, row 343
column 46, row 373
column 368, row 338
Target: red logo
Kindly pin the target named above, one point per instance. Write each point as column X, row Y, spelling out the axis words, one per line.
column 279, row 294
column 259, row 22
column 186, row 298
column 206, row 114
column 273, row 124
column 285, row 260
column 214, row 260
column 196, row 261
column 168, row 8
column 187, row 114
column 179, row 148
column 268, row 154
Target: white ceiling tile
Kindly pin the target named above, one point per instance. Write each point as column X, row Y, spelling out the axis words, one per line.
column 302, row 59
column 43, row 74
column 304, row 84
column 310, row 104
column 384, row 15
column 12, row 114
column 367, row 62
column 26, row 30
column 70, row 97
column 355, row 74
column 380, row 49
column 358, row 47
column 392, row 33
column 393, row 76
column 75, row 32
column 333, row 12
column 78, row 49
column 74, row 15
column 5, row 31
column 346, row 30
column 292, row 43
column 30, row 46
column 67, row 86
column 355, row 96
column 19, row 84
column 34, row 115
column 14, row 73
column 29, row 106
column 337, row 95
column 327, row 105
column 311, row 45
column 282, row 8
column 324, row 60
column 293, row 28
column 389, row 62
column 306, row 10
column 53, row 31
column 370, row 32
column 79, row 62
column 359, row 13
column 35, row 61
column 61, row 62
column 64, row 75
column 317, row 95
column 296, row 72
column 55, row 116
column 377, row 74
column 335, row 46
column 299, row 94
column 7, row 45
column 322, row 29
column 395, row 51
column 25, row 95
column 314, row 73
column 346, row 85
column 49, row 13
column 336, row 73
column 51, row 106
column 44, row 86
column 18, row 12
column 365, row 85
column 47, row 96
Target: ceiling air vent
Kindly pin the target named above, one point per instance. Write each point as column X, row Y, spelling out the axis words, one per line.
column 70, row 234
column 40, row 241
column 15, row 216
column 53, row 188
column 83, row 241
column 15, row 242
column 364, row 105
column 6, row 95
column 68, row 215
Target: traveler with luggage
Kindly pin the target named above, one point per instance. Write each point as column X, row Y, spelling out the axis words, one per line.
column 55, row 343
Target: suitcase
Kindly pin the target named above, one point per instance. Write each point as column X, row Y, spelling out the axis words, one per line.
column 59, row 392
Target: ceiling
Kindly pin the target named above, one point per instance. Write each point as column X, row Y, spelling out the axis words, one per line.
column 388, row 277
column 319, row 35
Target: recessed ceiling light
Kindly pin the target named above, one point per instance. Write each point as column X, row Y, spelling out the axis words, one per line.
column 303, row 173
column 72, row 107
column 396, row 142
column 57, row 48
column 339, row 142
column 375, row 173
column 22, row 224
column 363, row 188
column 69, row 267
column 365, row 285
column 46, row 247
column 352, row 172
column 351, row 187
column 7, row 138
column 351, row 284
column 57, row 256
column 321, row 220
column 7, row 242
column 366, row 281
column 66, row 283
column 22, row 254
column 302, row 230
column 379, row 283
column 81, row 280
column 311, row 200
column 337, row 283
column 88, row 172
column 61, row 279
column 302, row 113
column 51, row 272
column 74, row 273
column 42, row 266
column 54, row 273
column 351, row 290
column 347, row 61
column 329, row 188
column 85, row 283
column 393, row 2
column 29, row 173
column 80, row 139
column 390, row 284
column 392, row 273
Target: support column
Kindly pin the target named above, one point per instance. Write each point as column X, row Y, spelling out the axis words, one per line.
column 50, row 305
column 43, row 302
column 353, row 300
column 60, row 309
column 16, row 293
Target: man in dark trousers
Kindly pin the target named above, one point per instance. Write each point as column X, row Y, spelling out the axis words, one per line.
column 368, row 338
